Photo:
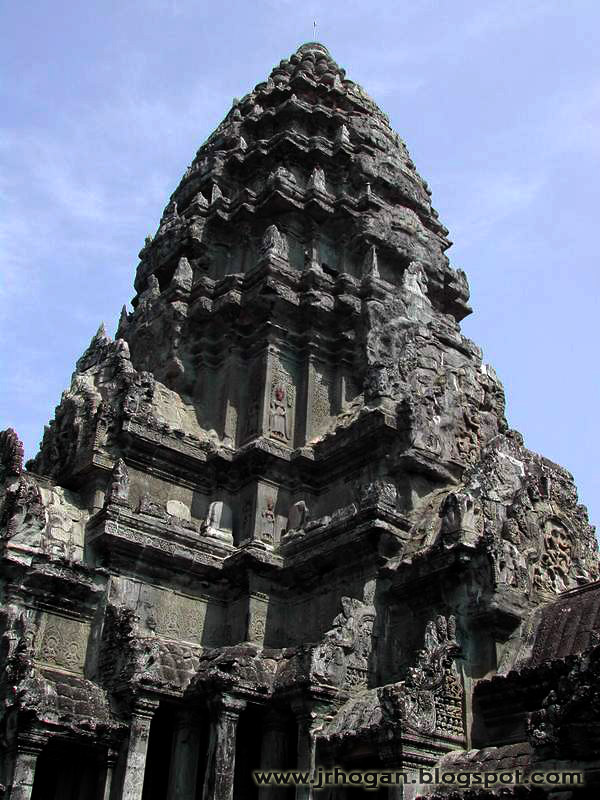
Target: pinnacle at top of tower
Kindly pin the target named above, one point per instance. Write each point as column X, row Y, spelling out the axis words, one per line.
column 306, row 141
column 313, row 47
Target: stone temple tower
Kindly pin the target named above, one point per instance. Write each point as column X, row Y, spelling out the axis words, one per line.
column 280, row 521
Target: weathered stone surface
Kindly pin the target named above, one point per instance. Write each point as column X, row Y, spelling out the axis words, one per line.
column 288, row 491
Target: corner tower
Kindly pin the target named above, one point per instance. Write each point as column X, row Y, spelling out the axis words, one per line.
column 287, row 475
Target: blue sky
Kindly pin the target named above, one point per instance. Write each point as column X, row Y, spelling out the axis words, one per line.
column 105, row 103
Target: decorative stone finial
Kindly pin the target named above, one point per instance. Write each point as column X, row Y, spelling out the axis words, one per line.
column 11, row 454
column 100, row 333
column 273, row 242
column 317, row 180
column 371, row 267
column 313, row 48
column 123, row 323
column 183, row 275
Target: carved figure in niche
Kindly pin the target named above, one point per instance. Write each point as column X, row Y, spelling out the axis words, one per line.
column 414, row 279
column 219, row 521
column 278, row 413
column 118, row 487
column 297, row 516
column 267, row 533
column 23, row 514
column 460, row 515
column 511, row 564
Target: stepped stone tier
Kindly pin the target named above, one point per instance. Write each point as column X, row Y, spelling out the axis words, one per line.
column 281, row 521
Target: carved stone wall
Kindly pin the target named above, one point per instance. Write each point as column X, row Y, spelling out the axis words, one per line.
column 61, row 642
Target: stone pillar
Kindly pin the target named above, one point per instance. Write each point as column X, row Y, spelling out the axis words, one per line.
column 220, row 766
column 137, row 748
column 273, row 754
column 27, row 749
column 183, row 772
column 107, row 767
column 305, row 759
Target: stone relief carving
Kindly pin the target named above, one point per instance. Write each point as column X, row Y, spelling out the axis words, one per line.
column 342, row 659
column 462, row 520
column 430, row 699
column 320, row 404
column 414, row 279
column 511, row 558
column 552, row 571
column 174, row 616
column 267, row 529
column 62, row 643
column 23, row 516
column 64, row 535
column 118, row 485
column 278, row 412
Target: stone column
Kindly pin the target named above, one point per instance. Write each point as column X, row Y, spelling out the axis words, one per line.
column 183, row 772
column 27, row 749
column 107, row 767
column 305, row 760
column 137, row 749
column 273, row 754
column 220, row 767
